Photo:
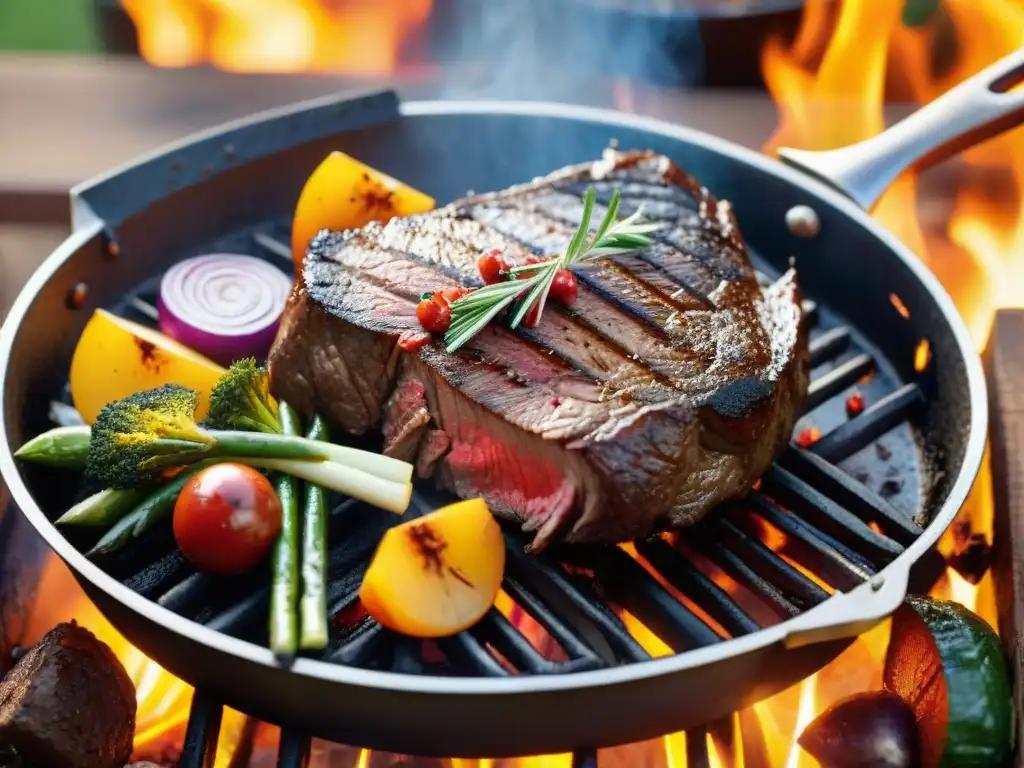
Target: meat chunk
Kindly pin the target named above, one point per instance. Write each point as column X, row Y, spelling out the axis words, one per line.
column 68, row 703
column 668, row 386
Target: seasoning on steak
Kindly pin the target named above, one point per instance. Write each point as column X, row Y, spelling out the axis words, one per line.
column 667, row 387
column 68, row 703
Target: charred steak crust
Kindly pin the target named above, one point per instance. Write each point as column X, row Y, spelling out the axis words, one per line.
column 670, row 384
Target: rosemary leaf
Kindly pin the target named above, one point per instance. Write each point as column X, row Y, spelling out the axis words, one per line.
column 539, row 292
column 533, row 282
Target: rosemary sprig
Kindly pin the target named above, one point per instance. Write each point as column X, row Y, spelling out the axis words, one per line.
column 475, row 310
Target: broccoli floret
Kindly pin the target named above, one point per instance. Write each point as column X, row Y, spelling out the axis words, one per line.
column 241, row 400
column 136, row 439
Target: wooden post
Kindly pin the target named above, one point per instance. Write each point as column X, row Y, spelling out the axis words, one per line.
column 1004, row 362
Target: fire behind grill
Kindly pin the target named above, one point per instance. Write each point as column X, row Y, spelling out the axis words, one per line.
column 844, row 509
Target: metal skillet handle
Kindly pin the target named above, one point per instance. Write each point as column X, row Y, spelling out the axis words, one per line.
column 977, row 109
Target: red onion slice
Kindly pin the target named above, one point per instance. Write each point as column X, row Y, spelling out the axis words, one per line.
column 224, row 305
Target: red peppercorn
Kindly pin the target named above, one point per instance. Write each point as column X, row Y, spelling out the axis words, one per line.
column 854, row 404
column 808, row 436
column 434, row 314
column 563, row 287
column 492, row 267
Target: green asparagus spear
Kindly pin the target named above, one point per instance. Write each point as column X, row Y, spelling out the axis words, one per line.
column 102, row 509
column 59, row 447
column 154, row 509
column 285, row 568
column 313, row 604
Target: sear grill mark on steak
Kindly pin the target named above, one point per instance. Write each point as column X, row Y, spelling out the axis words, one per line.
column 668, row 386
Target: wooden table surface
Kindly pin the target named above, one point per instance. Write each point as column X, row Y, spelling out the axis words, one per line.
column 65, row 119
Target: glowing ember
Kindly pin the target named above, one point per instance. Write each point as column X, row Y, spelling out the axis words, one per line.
column 922, row 355
column 854, row 404
column 361, row 37
column 808, row 437
column 900, row 306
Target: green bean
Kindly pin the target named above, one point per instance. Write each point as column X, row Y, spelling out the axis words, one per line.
column 284, row 587
column 313, row 603
column 58, row 447
column 153, row 510
column 102, row 509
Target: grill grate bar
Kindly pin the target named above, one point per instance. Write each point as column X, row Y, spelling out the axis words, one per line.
column 550, row 577
column 200, row 747
column 553, row 625
column 690, row 581
column 241, row 614
column 367, row 642
column 160, row 576
column 871, row 424
column 467, row 651
column 828, row 515
column 630, row 585
column 294, row 750
column 845, row 568
column 186, row 594
column 697, row 748
column 497, row 631
column 830, row 384
column 829, row 345
column 586, row 758
column 852, row 494
column 798, row 588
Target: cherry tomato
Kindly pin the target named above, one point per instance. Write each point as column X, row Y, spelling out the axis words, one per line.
column 434, row 314
column 451, row 295
column 563, row 287
column 226, row 519
column 533, row 316
column 491, row 266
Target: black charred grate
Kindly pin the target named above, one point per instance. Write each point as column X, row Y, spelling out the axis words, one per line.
column 840, row 509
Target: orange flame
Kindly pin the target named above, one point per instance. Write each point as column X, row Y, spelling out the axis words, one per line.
column 358, row 37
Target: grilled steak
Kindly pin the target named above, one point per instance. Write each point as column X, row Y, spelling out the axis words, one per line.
column 668, row 386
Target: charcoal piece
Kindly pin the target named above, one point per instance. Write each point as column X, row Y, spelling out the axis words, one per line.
column 68, row 703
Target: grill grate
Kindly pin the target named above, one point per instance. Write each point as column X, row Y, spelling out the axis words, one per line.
column 837, row 531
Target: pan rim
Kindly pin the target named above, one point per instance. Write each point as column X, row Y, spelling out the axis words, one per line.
column 667, row 666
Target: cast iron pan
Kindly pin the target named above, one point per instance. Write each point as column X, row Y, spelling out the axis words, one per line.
column 237, row 176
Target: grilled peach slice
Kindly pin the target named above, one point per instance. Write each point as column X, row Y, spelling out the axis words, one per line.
column 343, row 193
column 115, row 358
column 436, row 575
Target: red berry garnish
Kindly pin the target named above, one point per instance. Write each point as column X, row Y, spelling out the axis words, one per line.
column 808, row 436
column 854, row 404
column 434, row 314
column 492, row 267
column 563, row 287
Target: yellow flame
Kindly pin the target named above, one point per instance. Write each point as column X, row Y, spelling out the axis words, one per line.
column 357, row 36
column 797, row 757
column 675, row 750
